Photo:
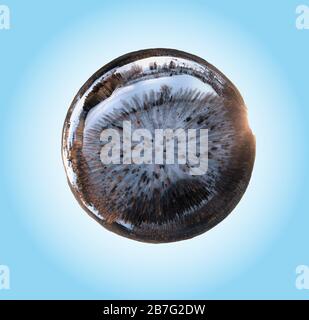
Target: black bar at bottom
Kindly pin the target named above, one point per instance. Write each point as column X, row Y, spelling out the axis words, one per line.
column 134, row 309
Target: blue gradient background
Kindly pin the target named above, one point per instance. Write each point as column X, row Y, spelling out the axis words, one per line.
column 53, row 249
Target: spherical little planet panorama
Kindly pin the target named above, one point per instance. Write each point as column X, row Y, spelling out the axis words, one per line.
column 157, row 147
